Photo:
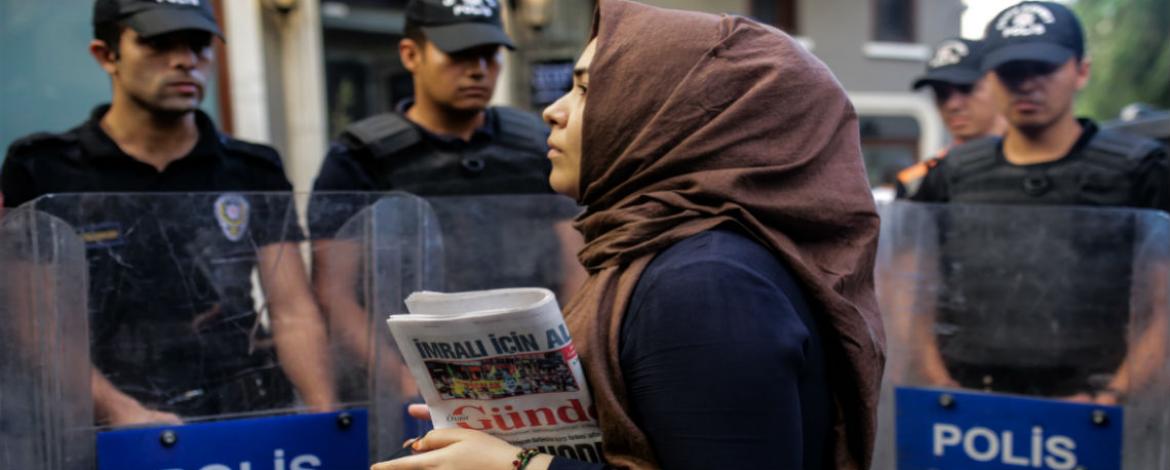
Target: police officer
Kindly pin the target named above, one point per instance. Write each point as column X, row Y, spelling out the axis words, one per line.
column 446, row 141
column 1035, row 53
column 963, row 99
column 172, row 339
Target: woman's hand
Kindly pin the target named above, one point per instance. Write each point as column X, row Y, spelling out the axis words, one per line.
column 458, row 449
column 419, row 411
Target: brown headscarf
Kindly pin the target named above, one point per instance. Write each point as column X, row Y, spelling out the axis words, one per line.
column 692, row 121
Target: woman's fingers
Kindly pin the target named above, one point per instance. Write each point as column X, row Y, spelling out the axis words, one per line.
column 419, row 411
column 455, row 449
column 413, row 462
column 441, row 438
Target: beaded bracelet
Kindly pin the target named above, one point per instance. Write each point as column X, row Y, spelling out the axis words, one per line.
column 523, row 458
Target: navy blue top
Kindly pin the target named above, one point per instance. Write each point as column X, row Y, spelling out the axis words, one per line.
column 722, row 360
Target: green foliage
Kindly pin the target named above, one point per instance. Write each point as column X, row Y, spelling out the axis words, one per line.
column 1129, row 44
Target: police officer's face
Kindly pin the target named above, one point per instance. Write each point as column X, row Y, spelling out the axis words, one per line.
column 565, row 117
column 461, row 81
column 968, row 111
column 164, row 73
column 1035, row 95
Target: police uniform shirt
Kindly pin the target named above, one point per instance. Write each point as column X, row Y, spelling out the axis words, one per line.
column 85, row 159
column 170, row 277
column 1079, row 276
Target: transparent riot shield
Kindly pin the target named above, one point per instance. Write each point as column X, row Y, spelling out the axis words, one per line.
column 45, row 406
column 206, row 346
column 369, row 252
column 1024, row 337
column 492, row 242
column 440, row 243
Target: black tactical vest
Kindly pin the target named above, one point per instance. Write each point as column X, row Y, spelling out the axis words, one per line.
column 396, row 156
column 1100, row 174
column 1068, row 305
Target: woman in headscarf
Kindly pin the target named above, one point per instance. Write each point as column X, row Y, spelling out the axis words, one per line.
column 729, row 317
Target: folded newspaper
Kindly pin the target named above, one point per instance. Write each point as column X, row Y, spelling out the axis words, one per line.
column 500, row 361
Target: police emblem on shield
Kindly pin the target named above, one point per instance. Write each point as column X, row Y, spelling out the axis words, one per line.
column 231, row 211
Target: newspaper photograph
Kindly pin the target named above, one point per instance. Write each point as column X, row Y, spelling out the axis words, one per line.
column 500, row 361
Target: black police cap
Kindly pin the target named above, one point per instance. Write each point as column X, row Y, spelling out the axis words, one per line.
column 955, row 62
column 1034, row 32
column 456, row 25
column 154, row 17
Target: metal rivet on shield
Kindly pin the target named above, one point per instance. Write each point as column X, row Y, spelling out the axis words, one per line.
column 168, row 438
column 946, row 400
column 1100, row 418
column 344, row 420
column 987, row 382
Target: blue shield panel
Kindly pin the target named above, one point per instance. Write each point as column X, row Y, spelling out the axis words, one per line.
column 946, row 429
column 298, row 442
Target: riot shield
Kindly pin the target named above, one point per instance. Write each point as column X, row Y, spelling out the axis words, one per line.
column 1024, row 337
column 444, row 244
column 370, row 251
column 206, row 348
column 45, row 406
column 492, row 242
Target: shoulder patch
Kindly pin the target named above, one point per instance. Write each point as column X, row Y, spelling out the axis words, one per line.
column 521, row 129
column 252, row 150
column 383, row 135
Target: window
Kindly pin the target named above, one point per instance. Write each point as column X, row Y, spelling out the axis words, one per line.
column 894, row 20
column 550, row 80
column 347, row 82
column 363, row 74
column 778, row 13
column 888, row 144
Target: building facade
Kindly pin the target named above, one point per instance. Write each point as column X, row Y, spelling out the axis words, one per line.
column 875, row 48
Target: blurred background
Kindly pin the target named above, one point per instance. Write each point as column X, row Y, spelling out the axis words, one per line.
column 293, row 73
